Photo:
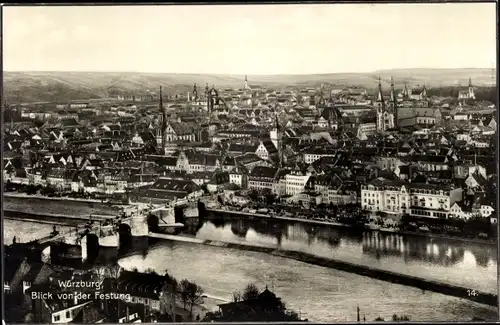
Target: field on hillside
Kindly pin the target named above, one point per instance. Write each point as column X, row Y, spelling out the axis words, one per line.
column 62, row 86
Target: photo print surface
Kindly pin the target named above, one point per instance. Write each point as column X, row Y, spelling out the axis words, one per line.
column 230, row 163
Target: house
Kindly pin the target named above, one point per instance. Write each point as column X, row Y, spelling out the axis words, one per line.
column 261, row 177
column 295, row 182
column 144, row 289
column 166, row 189
column 475, row 182
column 460, row 210
column 238, row 176
column 265, row 307
column 50, row 308
column 178, row 131
column 266, row 149
column 250, row 160
column 312, row 154
column 218, row 181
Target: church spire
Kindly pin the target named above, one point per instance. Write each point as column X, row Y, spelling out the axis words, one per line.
column 393, row 94
column 163, row 120
column 471, row 89
column 405, row 91
column 161, row 100
column 247, row 87
column 380, row 97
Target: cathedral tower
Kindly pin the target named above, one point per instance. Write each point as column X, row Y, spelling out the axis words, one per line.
column 471, row 90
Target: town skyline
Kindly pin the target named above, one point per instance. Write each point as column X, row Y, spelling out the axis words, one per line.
column 258, row 40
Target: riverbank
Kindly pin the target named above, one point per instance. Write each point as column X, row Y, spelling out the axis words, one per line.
column 50, row 218
column 57, row 206
column 39, row 196
column 342, row 225
column 384, row 275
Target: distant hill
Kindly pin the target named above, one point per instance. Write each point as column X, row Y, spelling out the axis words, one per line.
column 63, row 86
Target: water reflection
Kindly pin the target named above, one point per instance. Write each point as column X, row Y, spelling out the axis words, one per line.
column 379, row 244
column 435, row 258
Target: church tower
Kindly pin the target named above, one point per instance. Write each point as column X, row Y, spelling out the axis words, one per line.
column 247, row 87
column 195, row 93
column 423, row 95
column 471, row 90
column 394, row 103
column 406, row 94
column 381, row 111
column 163, row 112
column 276, row 136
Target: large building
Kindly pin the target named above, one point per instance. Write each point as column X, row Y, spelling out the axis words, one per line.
column 468, row 94
column 387, row 114
column 420, row 200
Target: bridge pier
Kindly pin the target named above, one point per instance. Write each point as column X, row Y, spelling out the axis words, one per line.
column 109, row 237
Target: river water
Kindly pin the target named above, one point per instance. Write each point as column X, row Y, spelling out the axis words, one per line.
column 320, row 294
column 461, row 263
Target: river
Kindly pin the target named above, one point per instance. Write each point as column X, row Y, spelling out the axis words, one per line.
column 320, row 294
column 461, row 263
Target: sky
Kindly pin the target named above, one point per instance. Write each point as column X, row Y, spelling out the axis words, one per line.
column 249, row 39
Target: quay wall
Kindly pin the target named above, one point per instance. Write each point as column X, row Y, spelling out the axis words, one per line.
column 384, row 275
column 238, row 214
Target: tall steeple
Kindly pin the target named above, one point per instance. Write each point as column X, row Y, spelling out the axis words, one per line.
column 279, row 135
column 195, row 92
column 424, row 92
column 471, row 90
column 246, row 83
column 394, row 103
column 380, row 96
column 405, row 92
column 163, row 120
column 393, row 94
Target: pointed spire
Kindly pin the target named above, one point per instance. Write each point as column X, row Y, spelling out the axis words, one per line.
column 161, row 99
column 380, row 97
column 393, row 94
column 246, row 78
column 470, row 82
